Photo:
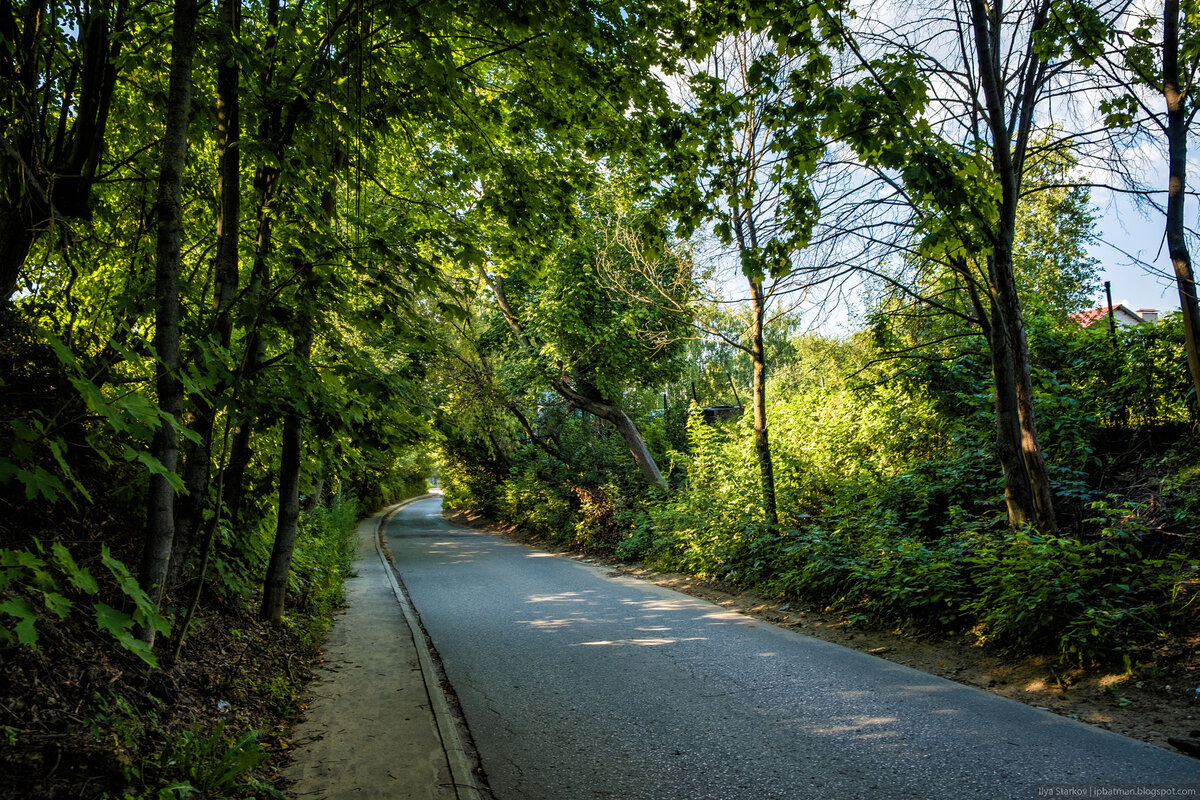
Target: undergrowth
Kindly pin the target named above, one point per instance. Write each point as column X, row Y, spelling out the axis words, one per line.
column 108, row 720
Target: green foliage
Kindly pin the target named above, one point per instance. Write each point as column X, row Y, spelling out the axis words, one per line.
column 193, row 763
column 537, row 505
column 891, row 500
column 1181, row 496
column 210, row 766
column 25, row 574
column 1137, row 377
column 393, row 476
column 325, row 549
column 1056, row 275
column 1090, row 598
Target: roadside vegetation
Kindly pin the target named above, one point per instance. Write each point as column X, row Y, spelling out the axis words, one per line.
column 267, row 266
column 891, row 507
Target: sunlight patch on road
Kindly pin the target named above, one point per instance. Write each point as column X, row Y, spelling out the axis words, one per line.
column 556, row 624
column 457, row 552
column 641, row 642
column 862, row 728
column 665, row 605
column 549, row 624
column 564, row 597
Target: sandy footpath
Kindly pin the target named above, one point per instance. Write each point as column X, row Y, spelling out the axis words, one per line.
column 370, row 731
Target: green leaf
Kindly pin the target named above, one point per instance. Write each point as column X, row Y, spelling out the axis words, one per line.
column 146, row 613
column 56, row 447
column 155, row 467
column 61, row 350
column 56, row 604
column 120, row 626
column 79, row 577
column 23, row 610
column 140, row 409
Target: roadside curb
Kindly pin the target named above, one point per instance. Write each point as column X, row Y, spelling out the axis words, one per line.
column 465, row 785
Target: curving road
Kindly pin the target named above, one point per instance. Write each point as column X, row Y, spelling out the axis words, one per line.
column 578, row 684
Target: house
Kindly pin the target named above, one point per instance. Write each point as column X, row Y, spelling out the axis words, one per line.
column 1122, row 314
column 714, row 414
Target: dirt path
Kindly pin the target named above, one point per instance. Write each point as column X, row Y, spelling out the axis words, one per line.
column 372, row 730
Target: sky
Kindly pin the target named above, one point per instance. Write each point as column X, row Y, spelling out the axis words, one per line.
column 1126, row 235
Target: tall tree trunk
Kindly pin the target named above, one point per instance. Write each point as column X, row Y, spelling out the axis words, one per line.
column 762, row 447
column 240, row 455
column 277, row 129
column 1026, row 478
column 275, row 583
column 48, row 176
column 229, row 171
column 1181, row 258
column 160, row 525
column 198, row 455
column 16, row 239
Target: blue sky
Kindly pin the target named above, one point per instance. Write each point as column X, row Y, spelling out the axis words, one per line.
column 1133, row 255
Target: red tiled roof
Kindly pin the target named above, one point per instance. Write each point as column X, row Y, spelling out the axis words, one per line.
column 1086, row 319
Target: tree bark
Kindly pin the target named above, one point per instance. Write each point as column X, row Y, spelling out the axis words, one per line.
column 275, row 582
column 1181, row 258
column 160, row 526
column 43, row 161
column 614, row 414
column 16, row 239
column 762, row 447
column 198, row 455
column 1026, row 478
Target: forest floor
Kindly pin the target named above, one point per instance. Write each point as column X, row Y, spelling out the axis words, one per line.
column 79, row 718
column 1155, row 698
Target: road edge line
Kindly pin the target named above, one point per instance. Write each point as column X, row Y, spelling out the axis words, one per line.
column 461, row 773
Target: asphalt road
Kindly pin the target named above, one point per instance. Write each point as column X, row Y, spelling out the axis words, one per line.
column 578, row 684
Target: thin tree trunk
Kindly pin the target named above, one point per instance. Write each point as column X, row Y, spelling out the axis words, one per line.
column 160, row 526
column 1181, row 258
column 762, row 447
column 277, row 132
column 614, row 414
column 1026, row 478
column 240, row 455
column 1019, row 493
column 49, row 179
column 16, row 239
column 229, row 171
column 198, row 455
column 610, row 412
column 275, row 582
